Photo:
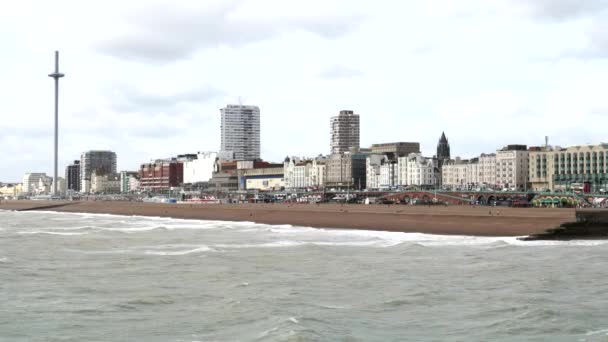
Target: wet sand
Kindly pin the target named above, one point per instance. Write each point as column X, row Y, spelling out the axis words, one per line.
column 453, row 220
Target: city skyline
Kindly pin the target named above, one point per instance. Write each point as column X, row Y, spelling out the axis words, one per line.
column 137, row 95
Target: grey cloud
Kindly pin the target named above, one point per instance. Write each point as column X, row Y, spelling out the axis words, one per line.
column 127, row 99
column 154, row 130
column 597, row 42
column 339, row 72
column 564, row 9
column 422, row 50
column 166, row 33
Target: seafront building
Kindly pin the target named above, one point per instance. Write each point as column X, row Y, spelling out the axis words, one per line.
column 105, row 183
column 72, row 176
column 345, row 132
column 242, row 176
column 301, row 173
column 507, row 169
column 487, row 170
column 161, row 175
column 475, row 173
column 95, row 163
column 31, row 181
column 129, row 181
column 200, row 169
column 134, row 184
column 11, row 190
column 575, row 168
column 383, row 164
column 454, row 173
column 40, row 184
column 512, row 167
column 44, row 186
column 381, row 171
column 318, row 172
column 267, row 178
column 240, row 131
column 416, row 170
column 478, row 172
column 396, row 149
column 296, row 173
column 346, row 170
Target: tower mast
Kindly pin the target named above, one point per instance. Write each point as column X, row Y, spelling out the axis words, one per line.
column 56, row 75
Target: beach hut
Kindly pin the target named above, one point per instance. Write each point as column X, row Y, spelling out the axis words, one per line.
column 550, row 202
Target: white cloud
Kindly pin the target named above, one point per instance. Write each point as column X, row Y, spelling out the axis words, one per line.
column 146, row 78
column 339, row 72
column 563, row 9
column 164, row 32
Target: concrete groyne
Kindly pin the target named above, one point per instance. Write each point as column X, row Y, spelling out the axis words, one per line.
column 45, row 207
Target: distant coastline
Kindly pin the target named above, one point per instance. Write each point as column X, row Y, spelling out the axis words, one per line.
column 454, row 220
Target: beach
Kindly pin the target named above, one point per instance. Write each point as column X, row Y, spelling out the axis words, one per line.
column 451, row 220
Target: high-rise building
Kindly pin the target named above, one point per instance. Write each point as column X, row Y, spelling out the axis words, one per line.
column 344, row 132
column 72, row 176
column 443, row 149
column 241, row 131
column 95, row 162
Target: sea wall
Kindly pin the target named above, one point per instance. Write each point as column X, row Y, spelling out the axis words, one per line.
column 592, row 217
column 590, row 224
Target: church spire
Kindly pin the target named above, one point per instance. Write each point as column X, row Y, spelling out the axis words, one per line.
column 443, row 148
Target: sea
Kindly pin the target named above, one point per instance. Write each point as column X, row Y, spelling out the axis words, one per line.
column 84, row 277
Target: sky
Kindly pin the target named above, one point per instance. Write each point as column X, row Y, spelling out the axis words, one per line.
column 146, row 78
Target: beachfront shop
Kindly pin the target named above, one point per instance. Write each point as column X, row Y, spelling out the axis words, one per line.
column 555, row 202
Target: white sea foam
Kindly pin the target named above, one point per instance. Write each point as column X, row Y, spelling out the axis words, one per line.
column 48, row 233
column 301, row 235
column 70, row 228
column 333, row 307
column 133, row 229
column 202, row 225
column 183, row 252
column 597, row 332
column 390, row 239
column 4, row 260
column 262, row 245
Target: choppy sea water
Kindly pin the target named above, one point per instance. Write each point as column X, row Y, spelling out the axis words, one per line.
column 82, row 277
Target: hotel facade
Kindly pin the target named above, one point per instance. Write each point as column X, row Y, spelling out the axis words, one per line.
column 573, row 168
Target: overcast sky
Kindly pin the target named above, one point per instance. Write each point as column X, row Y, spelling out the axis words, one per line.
column 146, row 78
